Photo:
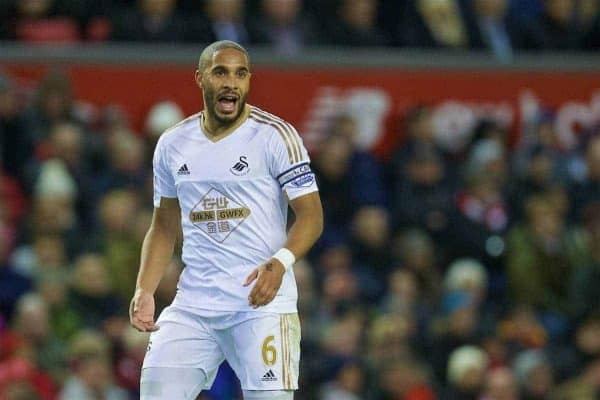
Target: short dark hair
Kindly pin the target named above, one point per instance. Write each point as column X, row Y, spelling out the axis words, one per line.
column 209, row 51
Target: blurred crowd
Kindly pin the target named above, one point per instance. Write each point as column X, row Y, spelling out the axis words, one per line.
column 501, row 27
column 462, row 273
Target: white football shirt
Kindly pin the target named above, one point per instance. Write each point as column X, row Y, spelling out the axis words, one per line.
column 233, row 195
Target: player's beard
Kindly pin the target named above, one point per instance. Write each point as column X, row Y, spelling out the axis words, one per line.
column 210, row 105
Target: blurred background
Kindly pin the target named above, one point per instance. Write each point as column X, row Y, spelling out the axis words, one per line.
column 457, row 149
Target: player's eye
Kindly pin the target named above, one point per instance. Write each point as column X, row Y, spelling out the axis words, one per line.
column 242, row 74
column 219, row 72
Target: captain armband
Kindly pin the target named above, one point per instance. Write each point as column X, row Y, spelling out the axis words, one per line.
column 298, row 176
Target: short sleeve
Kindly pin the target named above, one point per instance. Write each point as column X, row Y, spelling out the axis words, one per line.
column 290, row 163
column 164, row 183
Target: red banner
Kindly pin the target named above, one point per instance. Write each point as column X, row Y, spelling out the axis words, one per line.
column 378, row 97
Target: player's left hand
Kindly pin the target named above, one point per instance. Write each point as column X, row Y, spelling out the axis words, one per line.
column 268, row 280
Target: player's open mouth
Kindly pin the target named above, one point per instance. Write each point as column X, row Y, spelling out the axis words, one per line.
column 227, row 103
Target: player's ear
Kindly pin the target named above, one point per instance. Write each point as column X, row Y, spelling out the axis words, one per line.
column 198, row 78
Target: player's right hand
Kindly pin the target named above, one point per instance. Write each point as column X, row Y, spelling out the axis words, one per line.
column 141, row 311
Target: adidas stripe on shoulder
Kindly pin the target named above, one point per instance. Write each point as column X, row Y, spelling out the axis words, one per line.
column 286, row 131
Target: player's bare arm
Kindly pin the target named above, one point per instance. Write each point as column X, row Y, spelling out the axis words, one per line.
column 157, row 251
column 304, row 232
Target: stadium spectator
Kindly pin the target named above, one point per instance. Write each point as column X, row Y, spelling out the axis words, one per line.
column 586, row 276
column 67, row 145
column 91, row 296
column 340, row 341
column 481, row 214
column 520, row 329
column 588, row 190
column 117, row 241
column 283, row 26
column 34, row 341
column 405, row 378
column 433, row 24
column 54, row 208
column 370, row 239
column 53, row 288
column 338, row 257
column 500, row 384
column 534, row 374
column 541, row 255
column 493, row 29
column 415, row 251
column 46, row 253
column 554, row 29
column 487, row 129
column 305, row 280
column 538, row 178
column 13, row 284
column 340, row 287
column 222, row 20
column 584, row 386
column 91, row 376
column 467, row 366
column 126, row 166
column 351, row 178
column 423, row 192
column 457, row 325
column 587, row 344
column 129, row 362
column 348, row 384
column 16, row 144
column 403, row 294
column 540, row 135
column 21, row 377
column 588, row 14
column 468, row 276
column 308, row 308
column 53, row 103
column 13, row 205
column 347, row 127
column 391, row 337
column 19, row 390
column 149, row 21
column 356, row 25
column 418, row 136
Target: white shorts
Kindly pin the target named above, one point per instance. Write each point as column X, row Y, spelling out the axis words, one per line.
column 262, row 348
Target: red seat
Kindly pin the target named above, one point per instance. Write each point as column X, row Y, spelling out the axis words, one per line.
column 52, row 30
column 98, row 29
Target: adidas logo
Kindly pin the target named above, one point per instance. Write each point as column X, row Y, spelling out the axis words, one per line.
column 269, row 377
column 183, row 170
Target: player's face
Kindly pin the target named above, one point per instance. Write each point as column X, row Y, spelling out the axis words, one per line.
column 225, row 84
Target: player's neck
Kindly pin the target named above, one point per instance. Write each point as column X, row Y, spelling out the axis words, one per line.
column 215, row 131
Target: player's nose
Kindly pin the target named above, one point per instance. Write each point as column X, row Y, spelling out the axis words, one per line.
column 230, row 82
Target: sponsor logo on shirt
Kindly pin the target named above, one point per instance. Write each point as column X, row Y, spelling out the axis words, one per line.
column 218, row 215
